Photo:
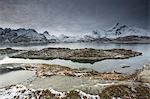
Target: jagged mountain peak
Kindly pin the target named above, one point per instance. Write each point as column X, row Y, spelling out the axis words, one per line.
column 46, row 32
column 31, row 35
column 117, row 27
column 120, row 30
column 21, row 35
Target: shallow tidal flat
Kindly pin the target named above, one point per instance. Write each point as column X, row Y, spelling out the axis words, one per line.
column 65, row 83
column 59, row 81
column 86, row 55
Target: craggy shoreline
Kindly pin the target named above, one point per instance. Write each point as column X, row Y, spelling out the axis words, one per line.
column 44, row 70
column 111, row 91
column 116, row 88
column 56, row 81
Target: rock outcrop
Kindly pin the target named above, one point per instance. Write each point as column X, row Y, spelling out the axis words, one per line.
column 144, row 74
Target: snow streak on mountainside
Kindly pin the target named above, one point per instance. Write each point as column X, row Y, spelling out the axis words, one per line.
column 22, row 35
column 51, row 38
column 120, row 30
column 116, row 31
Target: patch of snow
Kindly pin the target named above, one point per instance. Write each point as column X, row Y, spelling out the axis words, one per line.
column 88, row 96
column 105, row 84
column 57, row 94
column 24, row 93
column 120, row 30
column 50, row 37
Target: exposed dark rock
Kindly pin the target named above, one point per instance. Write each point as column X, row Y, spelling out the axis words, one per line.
column 132, row 38
column 125, row 66
column 8, row 51
column 21, row 36
column 9, row 69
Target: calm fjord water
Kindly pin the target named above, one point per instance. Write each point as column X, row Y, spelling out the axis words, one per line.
column 102, row 66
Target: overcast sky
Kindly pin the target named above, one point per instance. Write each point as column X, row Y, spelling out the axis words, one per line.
column 72, row 16
column 149, row 16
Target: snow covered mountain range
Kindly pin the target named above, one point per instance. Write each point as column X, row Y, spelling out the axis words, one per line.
column 30, row 36
column 120, row 30
column 21, row 36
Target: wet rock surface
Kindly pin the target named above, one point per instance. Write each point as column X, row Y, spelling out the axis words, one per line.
column 5, row 68
column 43, row 70
column 68, row 83
column 144, row 74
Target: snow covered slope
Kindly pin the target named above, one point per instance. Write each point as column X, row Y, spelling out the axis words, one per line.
column 51, row 38
column 21, row 36
column 120, row 30
column 31, row 36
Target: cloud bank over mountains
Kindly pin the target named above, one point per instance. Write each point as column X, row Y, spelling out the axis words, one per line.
column 72, row 16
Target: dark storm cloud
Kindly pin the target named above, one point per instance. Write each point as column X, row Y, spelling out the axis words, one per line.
column 72, row 16
column 149, row 16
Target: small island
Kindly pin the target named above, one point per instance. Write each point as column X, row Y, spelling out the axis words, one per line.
column 86, row 55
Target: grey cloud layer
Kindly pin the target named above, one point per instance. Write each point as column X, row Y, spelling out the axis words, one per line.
column 72, row 16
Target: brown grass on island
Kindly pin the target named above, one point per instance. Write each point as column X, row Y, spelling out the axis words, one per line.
column 87, row 55
column 138, row 91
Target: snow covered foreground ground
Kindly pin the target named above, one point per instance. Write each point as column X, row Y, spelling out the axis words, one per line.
column 21, row 92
